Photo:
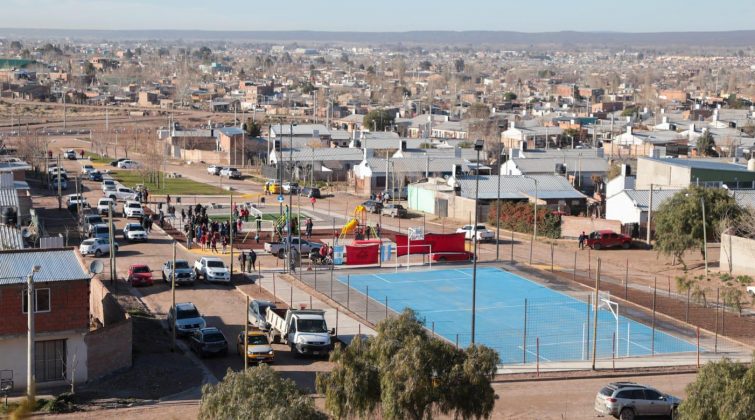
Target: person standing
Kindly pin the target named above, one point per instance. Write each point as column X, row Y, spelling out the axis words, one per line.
column 214, row 243
column 242, row 260
column 582, row 238
column 224, row 242
column 377, row 230
column 309, row 226
column 189, row 237
column 251, row 260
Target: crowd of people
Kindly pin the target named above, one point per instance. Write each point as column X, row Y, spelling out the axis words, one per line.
column 206, row 233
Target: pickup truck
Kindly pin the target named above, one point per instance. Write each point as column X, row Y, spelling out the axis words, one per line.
column 304, row 330
column 258, row 313
column 121, row 193
column 212, row 269
column 279, row 248
column 184, row 273
column 214, row 169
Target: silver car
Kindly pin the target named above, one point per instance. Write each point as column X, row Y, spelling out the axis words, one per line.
column 628, row 400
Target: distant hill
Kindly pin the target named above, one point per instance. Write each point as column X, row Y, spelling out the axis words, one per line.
column 615, row 39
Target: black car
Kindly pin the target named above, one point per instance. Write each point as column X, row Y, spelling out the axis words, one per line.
column 116, row 162
column 373, row 206
column 208, row 341
column 310, row 192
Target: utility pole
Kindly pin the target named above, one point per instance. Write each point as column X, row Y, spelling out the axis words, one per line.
column 231, row 229
column 60, row 187
column 30, row 308
column 650, row 213
column 173, row 298
column 246, row 334
column 705, row 237
column 111, row 208
column 595, row 320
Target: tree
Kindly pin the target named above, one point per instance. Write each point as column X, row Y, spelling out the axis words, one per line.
column 478, row 110
column 459, row 65
column 89, row 69
column 706, row 145
column 378, row 120
column 509, row 96
column 252, row 128
column 678, row 221
column 407, row 374
column 425, row 65
column 722, row 390
column 16, row 45
column 258, row 393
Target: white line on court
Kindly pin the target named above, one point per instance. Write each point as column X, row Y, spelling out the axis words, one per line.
column 534, row 354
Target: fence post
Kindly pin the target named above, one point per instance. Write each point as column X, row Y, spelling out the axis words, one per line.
column 524, row 335
column 348, row 290
column 315, row 276
column 686, row 311
column 275, row 296
column 698, row 347
column 715, row 345
column 589, row 263
column 512, row 246
column 595, row 319
column 613, row 351
column 669, row 285
column 537, row 355
column 386, row 306
column 367, row 304
column 336, row 321
column 433, row 328
column 331, row 287
column 587, row 343
column 551, row 257
column 652, row 338
column 626, row 281
column 457, row 340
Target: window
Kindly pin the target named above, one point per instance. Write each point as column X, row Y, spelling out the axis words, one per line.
column 50, row 360
column 42, row 301
column 652, row 395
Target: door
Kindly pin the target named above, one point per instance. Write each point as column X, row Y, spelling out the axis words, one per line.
column 441, row 207
column 50, row 360
column 655, row 406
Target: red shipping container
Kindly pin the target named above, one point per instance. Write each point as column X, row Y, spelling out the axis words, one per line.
column 362, row 254
column 439, row 242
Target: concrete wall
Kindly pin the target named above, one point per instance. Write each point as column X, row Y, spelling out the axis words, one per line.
column 661, row 175
column 103, row 306
column 211, row 157
column 739, row 253
column 572, row 226
column 13, row 357
column 109, row 349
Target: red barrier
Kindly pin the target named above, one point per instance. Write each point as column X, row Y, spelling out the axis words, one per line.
column 448, row 242
column 362, row 254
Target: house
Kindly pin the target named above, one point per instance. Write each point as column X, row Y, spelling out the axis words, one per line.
column 66, row 346
column 631, row 206
column 231, row 140
column 147, row 99
column 646, row 143
column 670, row 173
column 582, row 167
column 450, row 130
column 332, row 164
column 519, row 136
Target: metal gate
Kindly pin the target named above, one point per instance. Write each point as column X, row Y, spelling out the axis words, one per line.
column 441, row 207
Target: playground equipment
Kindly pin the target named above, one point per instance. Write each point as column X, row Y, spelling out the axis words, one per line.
column 281, row 225
column 359, row 219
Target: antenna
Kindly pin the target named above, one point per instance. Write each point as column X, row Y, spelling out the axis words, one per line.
column 96, row 267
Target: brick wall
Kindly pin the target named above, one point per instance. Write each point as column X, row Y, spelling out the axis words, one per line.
column 69, row 308
column 572, row 226
column 103, row 306
column 109, row 349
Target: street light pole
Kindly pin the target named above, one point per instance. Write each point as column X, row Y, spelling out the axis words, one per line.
column 478, row 147
column 30, row 308
column 534, row 219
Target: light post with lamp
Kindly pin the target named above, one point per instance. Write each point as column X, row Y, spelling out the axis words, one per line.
column 534, row 219
column 478, row 144
column 30, row 308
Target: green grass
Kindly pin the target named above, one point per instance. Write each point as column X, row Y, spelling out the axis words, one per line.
column 172, row 186
column 265, row 216
column 95, row 158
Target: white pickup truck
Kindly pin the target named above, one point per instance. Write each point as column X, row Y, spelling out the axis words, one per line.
column 304, row 330
column 212, row 269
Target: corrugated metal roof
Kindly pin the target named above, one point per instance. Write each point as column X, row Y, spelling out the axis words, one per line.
column 642, row 197
column 8, row 197
column 573, row 164
column 701, row 164
column 513, row 186
column 10, row 238
column 416, row 165
column 55, row 265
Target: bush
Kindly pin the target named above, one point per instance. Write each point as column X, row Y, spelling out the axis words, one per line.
column 518, row 217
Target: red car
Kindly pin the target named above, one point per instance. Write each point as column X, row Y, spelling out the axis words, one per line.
column 606, row 239
column 140, row 275
column 452, row 256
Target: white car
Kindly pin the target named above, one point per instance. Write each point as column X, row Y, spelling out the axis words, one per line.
column 86, row 169
column 212, row 269
column 121, row 193
column 214, row 169
column 483, row 234
column 134, row 232
column 107, row 183
column 104, row 205
column 74, row 201
column 133, row 209
column 128, row 164
column 70, row 154
column 232, row 173
column 97, row 247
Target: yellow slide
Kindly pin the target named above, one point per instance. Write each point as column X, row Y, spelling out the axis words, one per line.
column 359, row 211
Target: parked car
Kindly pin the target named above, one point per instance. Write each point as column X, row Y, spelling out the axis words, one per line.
column 291, row 188
column 116, row 162
column 95, row 176
column 132, row 208
column 258, row 312
column 452, row 256
column 310, row 192
column 76, row 201
column 280, row 248
column 108, row 183
column 214, row 169
column 134, row 232
column 71, row 154
column 86, row 169
column 212, row 269
column 104, row 205
column 121, row 193
column 96, row 246
column 394, row 210
column 128, row 164
column 483, row 233
column 231, row 173
column 258, row 348
column 184, row 273
column 90, row 220
column 208, row 341
column 53, row 185
column 272, row 186
column 101, row 231
column 628, row 400
column 373, row 206
column 140, row 275
column 607, row 239
column 186, row 318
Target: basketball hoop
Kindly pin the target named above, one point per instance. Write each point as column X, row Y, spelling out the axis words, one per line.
column 605, row 302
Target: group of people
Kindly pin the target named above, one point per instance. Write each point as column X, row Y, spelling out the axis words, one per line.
column 207, row 233
column 381, row 197
column 247, row 259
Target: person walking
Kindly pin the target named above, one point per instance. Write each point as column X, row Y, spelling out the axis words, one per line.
column 582, row 238
column 251, row 260
column 214, row 243
column 377, row 230
column 309, row 226
column 242, row 261
column 239, row 223
column 189, row 238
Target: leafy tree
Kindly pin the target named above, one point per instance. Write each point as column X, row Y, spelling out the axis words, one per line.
column 378, row 119
column 252, row 128
column 425, row 65
column 89, row 69
column 203, row 53
column 722, row 390
column 403, row 373
column 459, row 65
column 509, row 96
column 258, row 393
column 678, row 221
column 706, row 145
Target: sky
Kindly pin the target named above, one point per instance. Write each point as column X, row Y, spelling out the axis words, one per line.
column 383, row 15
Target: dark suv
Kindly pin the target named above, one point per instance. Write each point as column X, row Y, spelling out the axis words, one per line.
column 208, row 341
column 373, row 206
column 310, row 192
column 628, row 400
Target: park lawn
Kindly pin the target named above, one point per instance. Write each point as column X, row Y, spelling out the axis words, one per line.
column 265, row 216
column 172, row 186
column 95, row 158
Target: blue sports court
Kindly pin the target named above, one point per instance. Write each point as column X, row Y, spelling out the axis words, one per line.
column 517, row 317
